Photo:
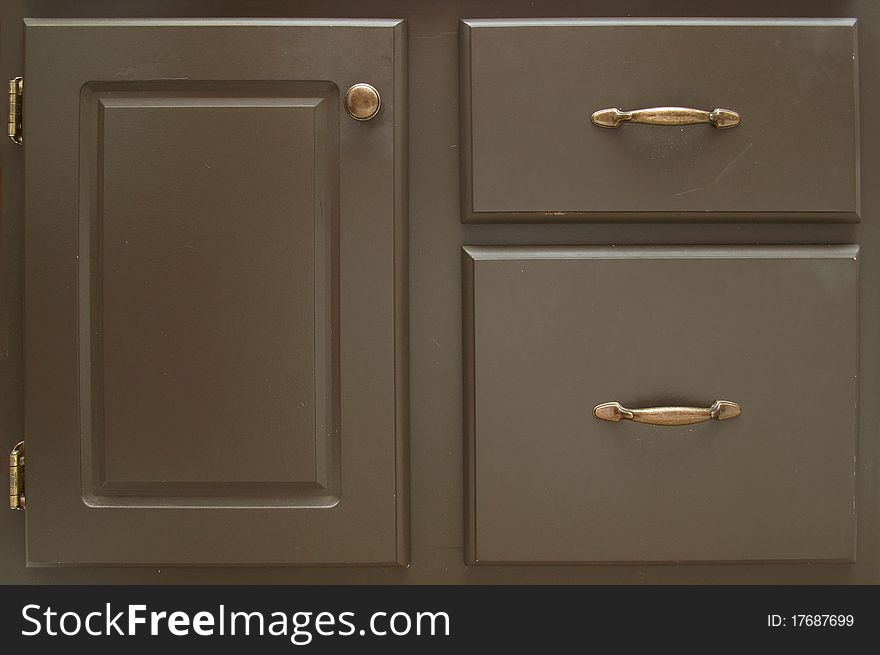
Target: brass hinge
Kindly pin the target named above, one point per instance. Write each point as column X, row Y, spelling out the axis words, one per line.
column 16, row 477
column 13, row 128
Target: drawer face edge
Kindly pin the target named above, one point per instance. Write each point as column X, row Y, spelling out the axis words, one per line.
column 552, row 332
column 531, row 154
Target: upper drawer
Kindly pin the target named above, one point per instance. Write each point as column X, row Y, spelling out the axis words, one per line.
column 532, row 154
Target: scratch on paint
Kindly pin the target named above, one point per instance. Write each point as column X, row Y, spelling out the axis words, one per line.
column 732, row 162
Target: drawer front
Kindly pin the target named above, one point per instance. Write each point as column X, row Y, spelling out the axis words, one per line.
column 531, row 152
column 551, row 333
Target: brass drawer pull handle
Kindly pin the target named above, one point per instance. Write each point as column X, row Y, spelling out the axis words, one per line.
column 720, row 118
column 720, row 411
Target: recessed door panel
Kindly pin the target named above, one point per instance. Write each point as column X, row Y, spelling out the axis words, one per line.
column 214, row 264
column 213, row 275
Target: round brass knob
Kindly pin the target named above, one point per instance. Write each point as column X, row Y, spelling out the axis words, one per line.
column 362, row 102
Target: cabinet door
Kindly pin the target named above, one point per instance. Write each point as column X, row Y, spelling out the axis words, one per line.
column 214, row 290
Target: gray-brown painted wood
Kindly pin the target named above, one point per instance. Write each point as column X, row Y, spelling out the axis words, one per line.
column 206, row 259
column 530, row 152
column 552, row 332
column 433, row 266
column 209, row 293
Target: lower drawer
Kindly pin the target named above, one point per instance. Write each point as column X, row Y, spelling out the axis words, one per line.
column 553, row 333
